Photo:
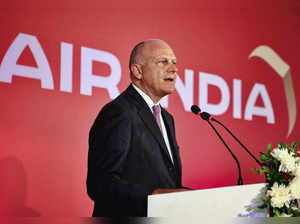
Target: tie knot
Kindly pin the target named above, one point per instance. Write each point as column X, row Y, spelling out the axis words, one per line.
column 156, row 110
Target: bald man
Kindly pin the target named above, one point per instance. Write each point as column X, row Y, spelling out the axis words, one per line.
column 133, row 150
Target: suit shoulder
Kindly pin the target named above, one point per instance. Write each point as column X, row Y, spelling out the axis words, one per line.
column 119, row 107
column 121, row 104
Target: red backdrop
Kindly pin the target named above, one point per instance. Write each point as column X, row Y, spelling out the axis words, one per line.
column 44, row 128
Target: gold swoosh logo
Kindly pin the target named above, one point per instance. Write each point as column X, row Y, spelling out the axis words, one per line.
column 283, row 70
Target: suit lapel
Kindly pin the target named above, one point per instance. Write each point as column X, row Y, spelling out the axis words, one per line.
column 171, row 134
column 146, row 115
column 153, row 127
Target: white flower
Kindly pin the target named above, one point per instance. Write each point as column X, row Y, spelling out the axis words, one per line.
column 297, row 170
column 294, row 187
column 286, row 159
column 280, row 195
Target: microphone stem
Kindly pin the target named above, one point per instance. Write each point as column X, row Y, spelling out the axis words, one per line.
column 240, row 180
column 244, row 147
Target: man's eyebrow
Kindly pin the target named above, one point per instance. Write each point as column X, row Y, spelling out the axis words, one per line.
column 165, row 57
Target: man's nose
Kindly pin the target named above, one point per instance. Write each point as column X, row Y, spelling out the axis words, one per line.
column 173, row 68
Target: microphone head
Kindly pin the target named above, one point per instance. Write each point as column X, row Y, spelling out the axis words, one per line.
column 195, row 109
column 205, row 116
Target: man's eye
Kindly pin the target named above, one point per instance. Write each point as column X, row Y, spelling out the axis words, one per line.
column 162, row 61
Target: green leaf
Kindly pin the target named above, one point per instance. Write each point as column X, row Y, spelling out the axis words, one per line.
column 262, row 170
column 268, row 177
column 269, row 148
column 282, row 145
column 293, row 147
column 296, row 213
column 276, row 212
column 289, row 210
column 265, row 157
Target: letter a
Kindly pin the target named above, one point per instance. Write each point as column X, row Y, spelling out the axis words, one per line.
column 9, row 66
column 251, row 109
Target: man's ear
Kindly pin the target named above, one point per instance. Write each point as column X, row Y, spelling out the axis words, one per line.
column 136, row 71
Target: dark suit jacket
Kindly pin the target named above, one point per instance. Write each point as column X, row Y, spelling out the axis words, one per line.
column 128, row 157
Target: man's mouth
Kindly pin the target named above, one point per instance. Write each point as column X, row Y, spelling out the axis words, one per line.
column 169, row 79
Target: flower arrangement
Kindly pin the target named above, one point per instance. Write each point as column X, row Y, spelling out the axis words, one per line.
column 281, row 167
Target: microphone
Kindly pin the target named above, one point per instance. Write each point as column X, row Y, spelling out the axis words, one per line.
column 196, row 110
column 232, row 135
column 206, row 116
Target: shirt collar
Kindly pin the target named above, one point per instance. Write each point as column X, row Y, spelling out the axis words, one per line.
column 147, row 99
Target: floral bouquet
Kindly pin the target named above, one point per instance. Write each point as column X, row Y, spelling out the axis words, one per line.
column 281, row 166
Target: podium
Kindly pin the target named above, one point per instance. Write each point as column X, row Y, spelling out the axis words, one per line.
column 224, row 202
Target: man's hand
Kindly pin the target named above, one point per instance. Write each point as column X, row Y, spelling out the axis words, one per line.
column 164, row 191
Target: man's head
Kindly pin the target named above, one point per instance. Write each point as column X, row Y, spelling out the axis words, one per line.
column 153, row 68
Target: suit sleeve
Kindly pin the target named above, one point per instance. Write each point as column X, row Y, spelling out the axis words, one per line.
column 109, row 144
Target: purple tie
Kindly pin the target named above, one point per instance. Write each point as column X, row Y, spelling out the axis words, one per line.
column 156, row 112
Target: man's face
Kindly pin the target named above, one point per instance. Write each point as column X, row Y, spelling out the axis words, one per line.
column 159, row 70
